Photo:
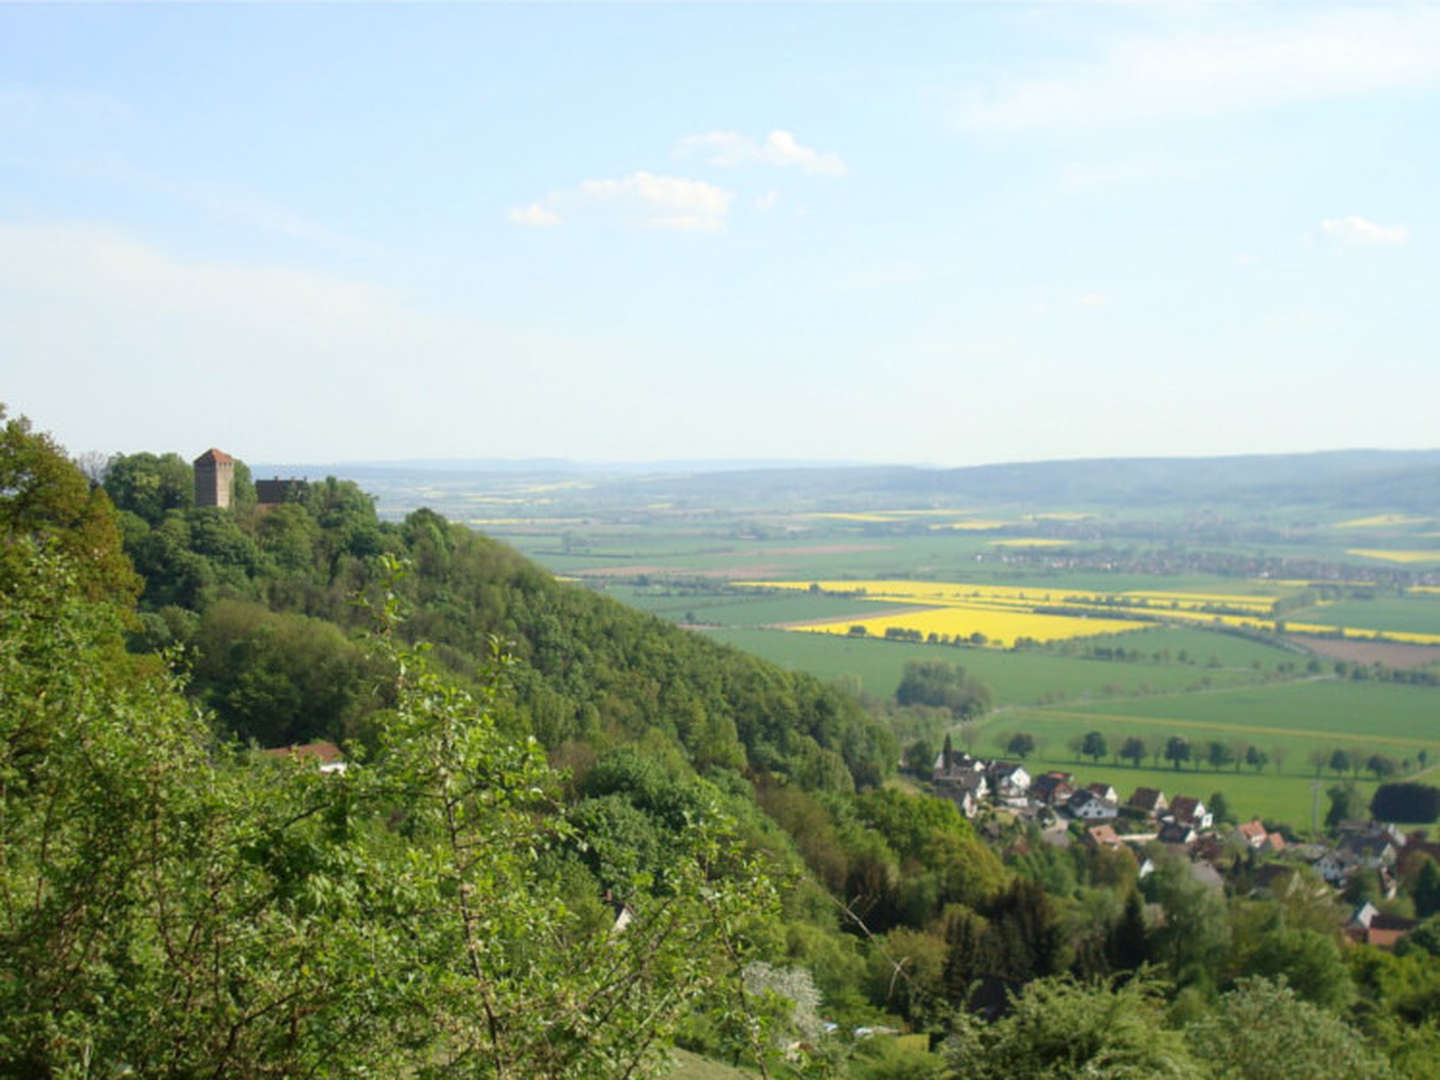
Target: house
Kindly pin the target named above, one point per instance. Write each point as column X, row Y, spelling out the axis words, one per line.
column 327, row 754
column 1087, row 806
column 1103, row 836
column 1052, row 789
column 1336, row 866
column 1191, row 812
column 1149, row 801
column 1371, row 850
column 1252, row 833
column 967, row 790
column 1104, row 792
column 1172, row 832
column 959, row 765
column 1374, row 927
column 1007, row 779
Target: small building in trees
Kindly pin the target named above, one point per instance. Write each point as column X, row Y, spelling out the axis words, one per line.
column 1087, row 806
column 276, row 491
column 1190, row 811
column 1149, row 801
column 214, row 478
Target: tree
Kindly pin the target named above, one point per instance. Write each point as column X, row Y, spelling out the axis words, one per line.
column 1058, row 1029
column 1382, row 766
column 1256, row 758
column 149, row 486
column 1317, row 758
column 1021, row 745
column 1220, row 807
column 1278, row 753
column 1219, row 754
column 1346, row 804
column 1339, row 760
column 45, row 499
column 1262, row 1030
column 418, row 909
column 1426, row 890
column 1177, row 750
column 1310, row 963
column 1094, row 745
column 1406, row 802
column 1134, row 750
column 942, row 685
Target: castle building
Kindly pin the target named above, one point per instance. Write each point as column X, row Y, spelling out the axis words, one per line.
column 214, row 478
column 270, row 493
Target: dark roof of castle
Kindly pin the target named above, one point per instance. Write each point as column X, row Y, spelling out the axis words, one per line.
column 214, row 457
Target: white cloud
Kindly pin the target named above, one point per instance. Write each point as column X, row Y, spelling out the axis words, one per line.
column 678, row 199
column 780, row 148
column 533, row 215
column 767, row 202
column 641, row 198
column 1357, row 230
column 1230, row 67
column 1093, row 299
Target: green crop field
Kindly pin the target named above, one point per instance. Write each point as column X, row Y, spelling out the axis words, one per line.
column 1023, row 677
column 1286, row 720
column 1416, row 615
column 742, row 608
column 1324, row 707
column 1288, row 798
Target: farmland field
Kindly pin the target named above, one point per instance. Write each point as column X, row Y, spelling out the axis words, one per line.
column 1417, row 614
column 1158, row 614
column 1334, row 708
column 1024, row 677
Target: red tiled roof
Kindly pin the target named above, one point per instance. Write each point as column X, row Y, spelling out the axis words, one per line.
column 1252, row 830
column 214, row 457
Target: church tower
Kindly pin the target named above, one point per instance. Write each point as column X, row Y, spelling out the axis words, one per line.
column 214, row 478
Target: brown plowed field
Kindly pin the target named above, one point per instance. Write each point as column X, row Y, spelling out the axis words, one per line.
column 1391, row 654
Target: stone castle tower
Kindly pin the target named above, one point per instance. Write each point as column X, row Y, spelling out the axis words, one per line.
column 214, row 478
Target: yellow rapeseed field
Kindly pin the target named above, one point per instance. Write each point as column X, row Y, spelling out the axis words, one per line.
column 1432, row 555
column 1379, row 520
column 1037, row 541
column 1005, row 612
column 1000, row 626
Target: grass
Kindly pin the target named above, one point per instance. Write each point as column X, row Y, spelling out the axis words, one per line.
column 1335, row 709
column 690, row 1066
column 1297, row 718
column 744, row 608
column 1014, row 677
column 1414, row 614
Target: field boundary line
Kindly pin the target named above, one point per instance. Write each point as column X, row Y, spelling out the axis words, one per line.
column 1219, row 725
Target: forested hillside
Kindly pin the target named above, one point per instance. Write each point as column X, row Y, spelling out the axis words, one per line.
column 568, row 836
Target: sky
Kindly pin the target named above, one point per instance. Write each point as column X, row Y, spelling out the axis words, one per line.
column 946, row 234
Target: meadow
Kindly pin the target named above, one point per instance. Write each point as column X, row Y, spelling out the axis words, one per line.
column 1019, row 677
column 1287, row 720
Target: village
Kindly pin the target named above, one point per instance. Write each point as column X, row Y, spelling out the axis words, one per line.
column 1359, row 864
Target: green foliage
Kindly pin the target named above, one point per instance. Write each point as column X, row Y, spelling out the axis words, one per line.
column 1263, row 1031
column 44, row 499
column 1309, row 961
column 1406, row 802
column 149, row 485
column 936, row 683
column 1059, row 1029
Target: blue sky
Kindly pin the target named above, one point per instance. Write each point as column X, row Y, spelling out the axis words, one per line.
column 949, row 234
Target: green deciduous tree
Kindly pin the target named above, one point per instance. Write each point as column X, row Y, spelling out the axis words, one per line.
column 1058, row 1029
column 1263, row 1031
